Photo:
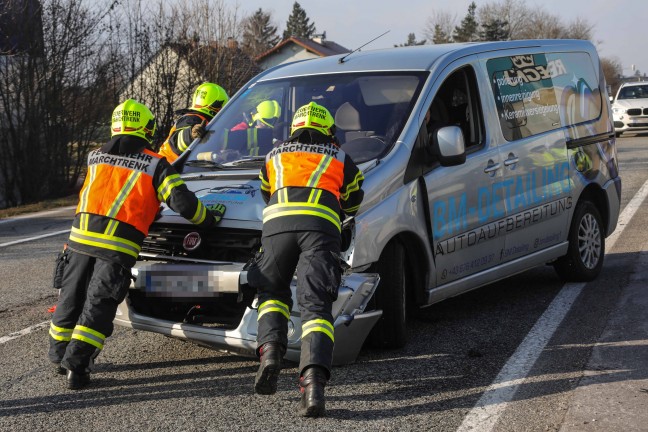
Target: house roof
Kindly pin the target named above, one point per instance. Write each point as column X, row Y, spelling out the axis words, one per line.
column 219, row 59
column 206, row 57
column 324, row 49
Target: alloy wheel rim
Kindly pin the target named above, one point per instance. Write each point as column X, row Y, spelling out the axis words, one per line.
column 589, row 241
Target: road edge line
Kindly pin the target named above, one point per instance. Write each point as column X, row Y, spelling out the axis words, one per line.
column 488, row 409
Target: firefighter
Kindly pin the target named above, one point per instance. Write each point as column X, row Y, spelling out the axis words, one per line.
column 308, row 183
column 207, row 101
column 265, row 115
column 121, row 195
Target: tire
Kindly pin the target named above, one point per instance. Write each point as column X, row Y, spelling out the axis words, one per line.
column 618, row 134
column 391, row 297
column 586, row 252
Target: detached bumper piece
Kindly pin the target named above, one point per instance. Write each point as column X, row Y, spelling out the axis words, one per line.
column 165, row 292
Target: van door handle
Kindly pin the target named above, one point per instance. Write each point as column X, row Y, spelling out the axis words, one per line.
column 491, row 167
column 512, row 160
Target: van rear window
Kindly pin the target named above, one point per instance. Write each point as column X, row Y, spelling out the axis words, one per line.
column 536, row 93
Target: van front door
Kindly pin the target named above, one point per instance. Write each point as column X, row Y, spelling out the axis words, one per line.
column 465, row 200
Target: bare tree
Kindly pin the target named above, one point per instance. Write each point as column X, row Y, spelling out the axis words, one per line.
column 169, row 61
column 612, row 70
column 49, row 114
column 513, row 12
column 77, row 59
column 439, row 27
column 579, row 28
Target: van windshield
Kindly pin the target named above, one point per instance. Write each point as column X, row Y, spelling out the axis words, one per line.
column 370, row 110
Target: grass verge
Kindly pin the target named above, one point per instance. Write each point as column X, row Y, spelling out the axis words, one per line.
column 39, row 206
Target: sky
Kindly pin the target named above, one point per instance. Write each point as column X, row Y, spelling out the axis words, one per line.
column 617, row 24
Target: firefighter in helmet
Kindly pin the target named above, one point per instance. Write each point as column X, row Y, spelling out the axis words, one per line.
column 123, row 188
column 308, row 183
column 265, row 115
column 207, row 101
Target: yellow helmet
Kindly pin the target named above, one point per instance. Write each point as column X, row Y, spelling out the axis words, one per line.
column 267, row 112
column 209, row 98
column 313, row 116
column 133, row 118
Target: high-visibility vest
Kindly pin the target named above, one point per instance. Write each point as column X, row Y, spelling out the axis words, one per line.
column 121, row 187
column 167, row 148
column 293, row 164
column 304, row 180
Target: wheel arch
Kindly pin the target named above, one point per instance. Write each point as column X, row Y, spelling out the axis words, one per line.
column 595, row 194
column 416, row 264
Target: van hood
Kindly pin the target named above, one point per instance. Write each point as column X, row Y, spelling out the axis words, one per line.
column 241, row 194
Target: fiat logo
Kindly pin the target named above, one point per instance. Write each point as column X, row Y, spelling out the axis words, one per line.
column 191, row 241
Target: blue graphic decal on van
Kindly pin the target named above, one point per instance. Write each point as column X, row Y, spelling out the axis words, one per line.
column 451, row 216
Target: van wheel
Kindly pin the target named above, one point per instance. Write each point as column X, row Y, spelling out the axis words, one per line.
column 391, row 297
column 584, row 258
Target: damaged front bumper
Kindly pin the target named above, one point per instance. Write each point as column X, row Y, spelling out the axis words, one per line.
column 209, row 280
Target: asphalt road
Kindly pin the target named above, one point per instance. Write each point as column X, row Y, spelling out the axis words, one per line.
column 456, row 351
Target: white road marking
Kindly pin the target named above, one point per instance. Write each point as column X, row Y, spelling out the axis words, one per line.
column 52, row 234
column 23, row 332
column 492, row 404
column 31, row 215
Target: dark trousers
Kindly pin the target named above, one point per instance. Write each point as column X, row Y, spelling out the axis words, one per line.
column 91, row 290
column 314, row 255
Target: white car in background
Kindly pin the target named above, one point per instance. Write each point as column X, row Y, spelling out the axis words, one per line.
column 630, row 108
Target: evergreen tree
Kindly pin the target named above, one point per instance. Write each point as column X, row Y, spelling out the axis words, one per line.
column 258, row 34
column 411, row 41
column 298, row 24
column 468, row 30
column 440, row 36
column 495, row 30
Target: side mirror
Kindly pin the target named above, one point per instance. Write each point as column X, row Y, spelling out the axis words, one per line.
column 448, row 145
column 611, row 98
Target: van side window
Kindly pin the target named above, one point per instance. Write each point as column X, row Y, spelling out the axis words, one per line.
column 536, row 93
column 457, row 104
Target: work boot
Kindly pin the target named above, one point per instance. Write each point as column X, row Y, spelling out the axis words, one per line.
column 77, row 381
column 311, row 387
column 58, row 369
column 269, row 369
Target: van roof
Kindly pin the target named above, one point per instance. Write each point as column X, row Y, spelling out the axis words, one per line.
column 413, row 58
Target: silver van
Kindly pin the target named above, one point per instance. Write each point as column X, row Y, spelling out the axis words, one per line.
column 481, row 161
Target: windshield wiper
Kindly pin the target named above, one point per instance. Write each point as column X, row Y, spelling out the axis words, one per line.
column 205, row 164
column 247, row 160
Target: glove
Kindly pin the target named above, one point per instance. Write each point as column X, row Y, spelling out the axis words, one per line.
column 218, row 210
column 198, row 131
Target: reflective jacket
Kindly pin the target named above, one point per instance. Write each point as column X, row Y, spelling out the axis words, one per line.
column 119, row 200
column 308, row 186
column 179, row 137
